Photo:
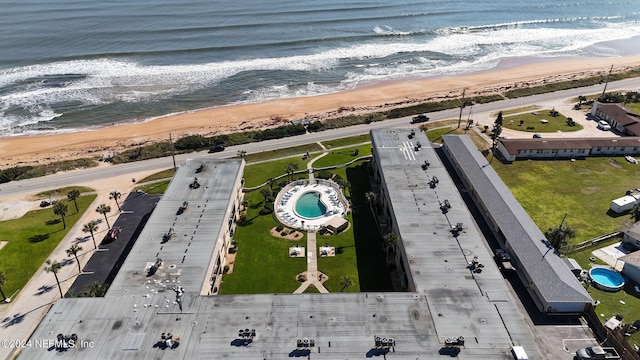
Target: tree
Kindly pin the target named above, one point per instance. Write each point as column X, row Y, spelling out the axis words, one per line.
column 115, row 195
column 3, row 282
column 61, row 209
column 74, row 250
column 581, row 99
column 495, row 134
column 91, row 227
column 271, row 182
column 290, row 169
column 559, row 235
column 96, row 289
column 266, row 192
column 390, row 242
column 346, row 282
column 104, row 209
column 73, row 195
column 54, row 267
column 372, row 199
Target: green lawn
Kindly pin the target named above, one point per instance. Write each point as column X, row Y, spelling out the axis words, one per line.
column 154, row 188
column 342, row 156
column 62, row 192
column 584, row 188
column 256, row 174
column 531, row 122
column 290, row 151
column 159, row 175
column 518, row 110
column 358, row 139
column 31, row 239
column 262, row 264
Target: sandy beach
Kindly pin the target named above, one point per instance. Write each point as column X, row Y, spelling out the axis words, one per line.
column 30, row 150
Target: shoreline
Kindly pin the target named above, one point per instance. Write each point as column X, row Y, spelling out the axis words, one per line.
column 507, row 74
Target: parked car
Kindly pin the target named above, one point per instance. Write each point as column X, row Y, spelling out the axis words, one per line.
column 420, row 118
column 603, row 125
column 216, row 148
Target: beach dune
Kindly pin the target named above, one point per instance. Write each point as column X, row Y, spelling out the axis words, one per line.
column 39, row 149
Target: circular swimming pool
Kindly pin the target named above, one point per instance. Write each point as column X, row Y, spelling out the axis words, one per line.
column 606, row 279
column 309, row 206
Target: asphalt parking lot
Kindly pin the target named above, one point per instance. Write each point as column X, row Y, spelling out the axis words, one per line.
column 106, row 261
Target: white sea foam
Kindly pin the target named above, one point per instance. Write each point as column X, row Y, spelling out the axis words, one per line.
column 445, row 51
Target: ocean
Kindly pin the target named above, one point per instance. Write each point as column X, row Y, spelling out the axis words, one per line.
column 67, row 65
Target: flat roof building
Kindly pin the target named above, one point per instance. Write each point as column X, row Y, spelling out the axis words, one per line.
column 449, row 297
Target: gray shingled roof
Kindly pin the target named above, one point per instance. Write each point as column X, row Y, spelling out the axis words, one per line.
column 547, row 270
column 513, row 145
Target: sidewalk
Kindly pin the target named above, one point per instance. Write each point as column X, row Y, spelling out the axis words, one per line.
column 312, row 249
column 21, row 317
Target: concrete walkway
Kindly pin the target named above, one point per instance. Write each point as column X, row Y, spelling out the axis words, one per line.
column 312, row 254
column 22, row 315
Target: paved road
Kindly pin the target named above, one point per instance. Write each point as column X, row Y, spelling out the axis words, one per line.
column 84, row 176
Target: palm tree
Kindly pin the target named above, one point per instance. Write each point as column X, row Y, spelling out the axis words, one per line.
column 390, row 242
column 3, row 282
column 54, row 267
column 371, row 199
column 290, row 169
column 91, row 227
column 104, row 209
column 96, row 289
column 74, row 250
column 61, row 209
column 346, row 282
column 73, row 195
column 266, row 192
column 115, row 195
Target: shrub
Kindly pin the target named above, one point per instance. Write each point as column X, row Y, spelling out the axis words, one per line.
column 279, row 228
column 44, row 203
column 232, row 250
column 225, row 269
column 264, row 211
column 283, row 233
column 323, row 174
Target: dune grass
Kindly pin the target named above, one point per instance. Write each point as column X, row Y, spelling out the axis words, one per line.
column 32, row 238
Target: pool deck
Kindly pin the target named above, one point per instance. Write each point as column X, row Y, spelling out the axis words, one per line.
column 331, row 197
column 610, row 255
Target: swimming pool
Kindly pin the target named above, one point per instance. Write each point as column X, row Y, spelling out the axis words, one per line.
column 606, row 279
column 309, row 206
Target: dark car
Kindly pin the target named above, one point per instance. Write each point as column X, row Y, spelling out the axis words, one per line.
column 420, row 118
column 216, row 148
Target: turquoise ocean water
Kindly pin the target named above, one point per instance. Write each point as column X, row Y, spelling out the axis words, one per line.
column 72, row 64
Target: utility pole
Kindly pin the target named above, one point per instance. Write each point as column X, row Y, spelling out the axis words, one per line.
column 606, row 82
column 173, row 156
column 461, row 106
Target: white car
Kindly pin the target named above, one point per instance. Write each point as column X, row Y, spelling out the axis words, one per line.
column 603, row 125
